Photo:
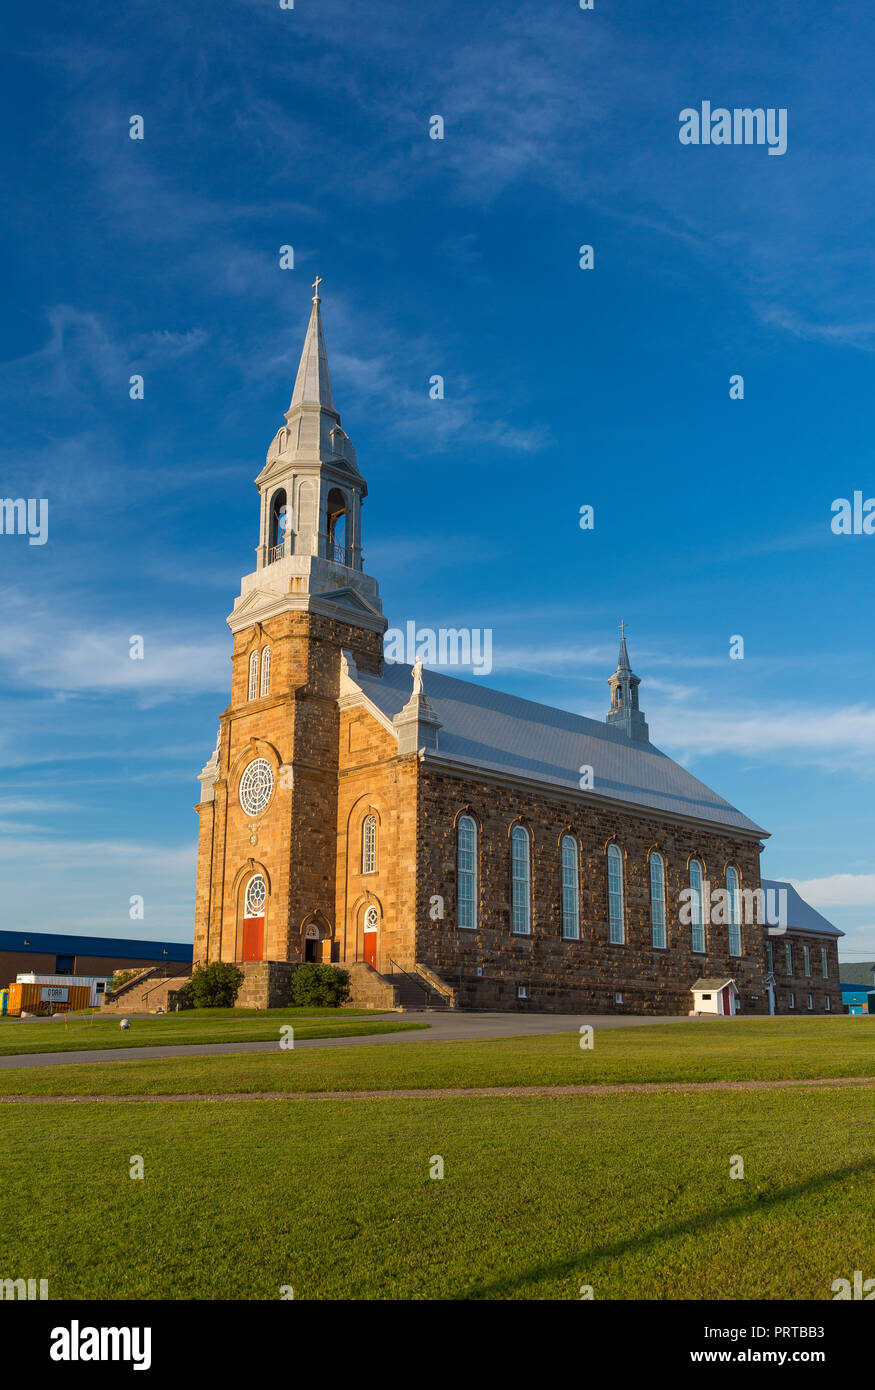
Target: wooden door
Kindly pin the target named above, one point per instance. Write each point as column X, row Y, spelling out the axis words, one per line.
column 370, row 946
column 253, row 938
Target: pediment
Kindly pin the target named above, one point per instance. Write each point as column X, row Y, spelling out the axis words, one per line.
column 349, row 598
column 254, row 599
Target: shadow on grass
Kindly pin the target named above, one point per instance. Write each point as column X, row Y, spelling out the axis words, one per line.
column 586, row 1262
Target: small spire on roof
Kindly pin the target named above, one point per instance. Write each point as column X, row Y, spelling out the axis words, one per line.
column 623, row 659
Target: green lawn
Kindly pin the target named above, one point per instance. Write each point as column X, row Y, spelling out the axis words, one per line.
column 81, row 1033
column 628, row 1193
column 694, row 1050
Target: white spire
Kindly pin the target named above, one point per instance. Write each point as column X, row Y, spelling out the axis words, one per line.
column 313, row 382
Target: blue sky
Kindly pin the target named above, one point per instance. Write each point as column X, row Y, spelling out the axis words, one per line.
column 310, row 127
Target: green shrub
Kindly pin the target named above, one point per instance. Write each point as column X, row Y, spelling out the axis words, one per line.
column 320, row 986
column 212, row 986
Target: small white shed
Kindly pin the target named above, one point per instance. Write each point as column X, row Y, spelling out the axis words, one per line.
column 715, row 997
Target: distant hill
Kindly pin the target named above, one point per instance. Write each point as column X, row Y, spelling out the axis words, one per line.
column 859, row 973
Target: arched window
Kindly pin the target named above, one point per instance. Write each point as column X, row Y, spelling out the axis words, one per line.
column 336, row 522
column 570, row 890
column 616, row 909
column 657, row 900
column 467, row 855
column 265, row 672
column 256, row 897
column 521, row 874
column 734, row 913
column 697, row 906
column 369, row 845
column 253, row 675
column 279, row 518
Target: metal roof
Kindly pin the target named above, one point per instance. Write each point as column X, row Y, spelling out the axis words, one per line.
column 46, row 943
column 857, row 974
column 488, row 729
column 801, row 916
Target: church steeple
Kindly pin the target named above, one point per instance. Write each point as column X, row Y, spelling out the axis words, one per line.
column 624, row 713
column 313, row 382
column 311, row 488
column 310, row 543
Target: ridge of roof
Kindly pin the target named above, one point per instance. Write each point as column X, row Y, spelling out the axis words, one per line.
column 801, row 916
column 488, row 728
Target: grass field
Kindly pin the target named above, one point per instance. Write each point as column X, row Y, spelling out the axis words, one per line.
column 629, row 1194
column 82, row 1033
column 697, row 1050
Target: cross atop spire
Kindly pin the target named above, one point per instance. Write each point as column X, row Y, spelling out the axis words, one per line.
column 316, row 283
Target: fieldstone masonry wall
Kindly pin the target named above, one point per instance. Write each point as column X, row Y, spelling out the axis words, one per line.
column 586, row 974
column 267, row 984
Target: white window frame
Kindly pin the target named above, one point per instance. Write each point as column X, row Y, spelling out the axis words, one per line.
column 569, row 853
column 828, row 1005
column 657, row 901
column 732, row 886
column 806, row 961
column 521, row 880
column 466, row 852
column 792, row 1000
column 247, row 904
column 265, row 672
column 369, row 844
column 697, row 907
column 824, row 963
column 788, row 958
column 253, row 675
column 616, row 896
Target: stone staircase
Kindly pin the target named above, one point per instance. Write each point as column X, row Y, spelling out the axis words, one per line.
column 415, row 993
column 147, row 991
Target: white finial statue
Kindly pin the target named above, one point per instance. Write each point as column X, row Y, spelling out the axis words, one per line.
column 417, row 678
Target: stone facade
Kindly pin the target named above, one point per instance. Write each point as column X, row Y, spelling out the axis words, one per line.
column 794, row 987
column 588, row 973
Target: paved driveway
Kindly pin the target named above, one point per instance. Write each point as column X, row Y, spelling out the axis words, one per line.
column 442, row 1027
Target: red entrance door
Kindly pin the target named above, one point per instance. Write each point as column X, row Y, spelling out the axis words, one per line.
column 727, row 1002
column 371, row 947
column 253, row 938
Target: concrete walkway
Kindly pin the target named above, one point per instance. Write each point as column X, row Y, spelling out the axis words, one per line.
column 442, row 1027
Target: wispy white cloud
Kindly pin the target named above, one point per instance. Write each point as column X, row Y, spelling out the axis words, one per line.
column 835, row 740
column 838, row 890
column 53, row 651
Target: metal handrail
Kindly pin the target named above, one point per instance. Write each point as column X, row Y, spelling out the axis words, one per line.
column 415, row 979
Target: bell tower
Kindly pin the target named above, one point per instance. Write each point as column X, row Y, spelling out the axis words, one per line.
column 311, row 491
column 268, row 808
column 624, row 712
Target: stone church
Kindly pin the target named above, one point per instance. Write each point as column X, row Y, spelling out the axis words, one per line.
column 444, row 842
